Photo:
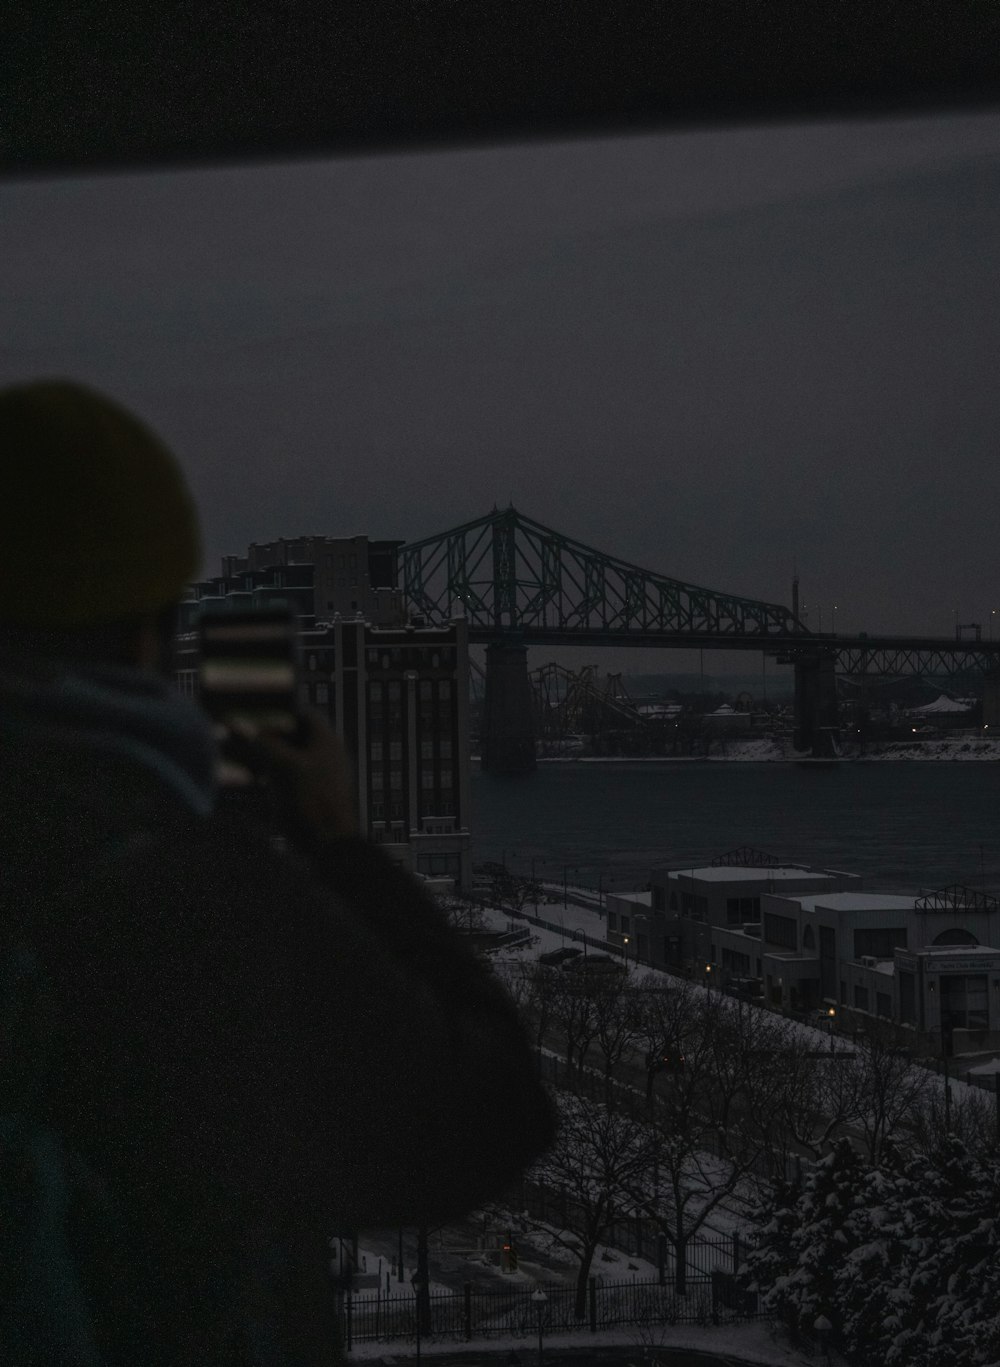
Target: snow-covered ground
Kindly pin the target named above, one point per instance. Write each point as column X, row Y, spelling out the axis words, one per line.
column 767, row 750
column 756, row 1342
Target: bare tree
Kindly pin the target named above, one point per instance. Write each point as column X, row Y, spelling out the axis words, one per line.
column 712, row 1119
column 665, row 1018
column 818, row 1104
column 534, row 987
column 617, row 1023
column 890, row 1088
column 598, row 1155
column 573, row 1014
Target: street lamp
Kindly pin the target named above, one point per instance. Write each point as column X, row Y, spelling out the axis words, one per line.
column 708, row 977
column 540, row 1301
column 625, row 947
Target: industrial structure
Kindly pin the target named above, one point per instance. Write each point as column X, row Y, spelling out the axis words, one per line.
column 520, row 584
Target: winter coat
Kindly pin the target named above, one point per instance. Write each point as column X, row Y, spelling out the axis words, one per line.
column 254, row 1050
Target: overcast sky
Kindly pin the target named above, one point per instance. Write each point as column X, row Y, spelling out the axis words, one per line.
column 718, row 353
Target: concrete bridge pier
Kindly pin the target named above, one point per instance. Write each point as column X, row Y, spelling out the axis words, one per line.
column 816, row 719
column 507, row 737
column 991, row 702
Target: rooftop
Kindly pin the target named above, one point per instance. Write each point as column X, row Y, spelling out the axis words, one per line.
column 643, row 899
column 741, row 873
column 856, row 901
column 960, row 951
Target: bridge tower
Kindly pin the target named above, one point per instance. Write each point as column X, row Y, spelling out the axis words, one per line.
column 816, row 719
column 507, row 736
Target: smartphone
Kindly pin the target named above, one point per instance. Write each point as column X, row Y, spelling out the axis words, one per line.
column 248, row 670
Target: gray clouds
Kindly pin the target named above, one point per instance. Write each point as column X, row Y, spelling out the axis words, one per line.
column 713, row 352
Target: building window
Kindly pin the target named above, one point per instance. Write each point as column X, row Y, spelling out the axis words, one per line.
column 376, row 692
column 396, row 780
column 427, row 778
column 860, row 998
column 624, row 925
column 694, row 906
column 395, row 750
column 425, row 690
column 394, row 690
column 735, row 963
column 907, row 999
column 322, row 694
column 376, row 751
column 312, row 662
column 780, row 930
column 742, row 909
column 445, row 744
column 378, row 779
column 426, row 749
column 612, row 920
column 446, row 776
column 878, row 943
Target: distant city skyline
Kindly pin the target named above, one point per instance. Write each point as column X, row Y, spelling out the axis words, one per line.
column 721, row 354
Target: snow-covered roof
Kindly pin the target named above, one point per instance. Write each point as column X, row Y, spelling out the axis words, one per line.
column 942, row 703
column 642, row 899
column 856, row 901
column 744, row 873
column 961, row 951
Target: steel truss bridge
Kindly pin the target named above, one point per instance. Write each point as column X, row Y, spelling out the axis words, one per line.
column 519, row 583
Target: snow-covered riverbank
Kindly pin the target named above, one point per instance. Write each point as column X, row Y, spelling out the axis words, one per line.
column 777, row 751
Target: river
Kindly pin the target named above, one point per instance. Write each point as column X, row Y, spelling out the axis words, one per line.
column 903, row 826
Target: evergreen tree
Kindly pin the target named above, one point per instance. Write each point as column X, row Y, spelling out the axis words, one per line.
column 871, row 1280
column 823, row 1239
column 770, row 1255
column 955, row 1265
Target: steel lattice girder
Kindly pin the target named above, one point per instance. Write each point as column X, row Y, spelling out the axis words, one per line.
column 940, row 661
column 511, row 573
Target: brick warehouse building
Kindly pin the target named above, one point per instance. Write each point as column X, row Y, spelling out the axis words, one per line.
column 396, row 694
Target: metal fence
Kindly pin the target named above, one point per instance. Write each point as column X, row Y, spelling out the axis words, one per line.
column 480, row 1312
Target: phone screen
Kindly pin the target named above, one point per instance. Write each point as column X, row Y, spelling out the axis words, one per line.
column 248, row 670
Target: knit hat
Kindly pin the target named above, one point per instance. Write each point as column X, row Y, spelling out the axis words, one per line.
column 96, row 520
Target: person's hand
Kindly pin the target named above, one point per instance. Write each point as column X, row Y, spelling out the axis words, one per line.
column 310, row 777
